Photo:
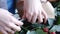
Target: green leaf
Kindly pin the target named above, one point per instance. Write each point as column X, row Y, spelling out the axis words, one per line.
column 31, row 32
column 16, row 32
column 40, row 31
column 57, row 20
column 23, row 32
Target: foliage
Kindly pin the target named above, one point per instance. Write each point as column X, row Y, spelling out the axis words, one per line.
column 35, row 28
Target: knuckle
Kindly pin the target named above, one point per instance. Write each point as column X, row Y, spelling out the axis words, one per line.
column 40, row 21
column 36, row 13
column 30, row 14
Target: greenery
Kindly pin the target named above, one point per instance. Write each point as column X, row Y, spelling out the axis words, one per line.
column 58, row 13
column 35, row 28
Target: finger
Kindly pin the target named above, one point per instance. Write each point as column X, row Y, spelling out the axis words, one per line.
column 34, row 17
column 24, row 14
column 40, row 20
column 17, row 22
column 45, row 16
column 6, row 28
column 15, row 27
column 11, row 33
column 30, row 17
column 2, row 30
column 14, row 32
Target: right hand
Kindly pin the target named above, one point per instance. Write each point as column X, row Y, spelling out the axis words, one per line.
column 33, row 10
column 8, row 23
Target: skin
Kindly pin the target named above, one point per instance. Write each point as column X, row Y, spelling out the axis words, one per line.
column 33, row 10
column 8, row 22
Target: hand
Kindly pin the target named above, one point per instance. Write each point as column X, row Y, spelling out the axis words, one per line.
column 33, row 10
column 8, row 23
column 43, row 0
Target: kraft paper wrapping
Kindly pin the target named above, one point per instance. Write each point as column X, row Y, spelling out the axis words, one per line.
column 49, row 9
